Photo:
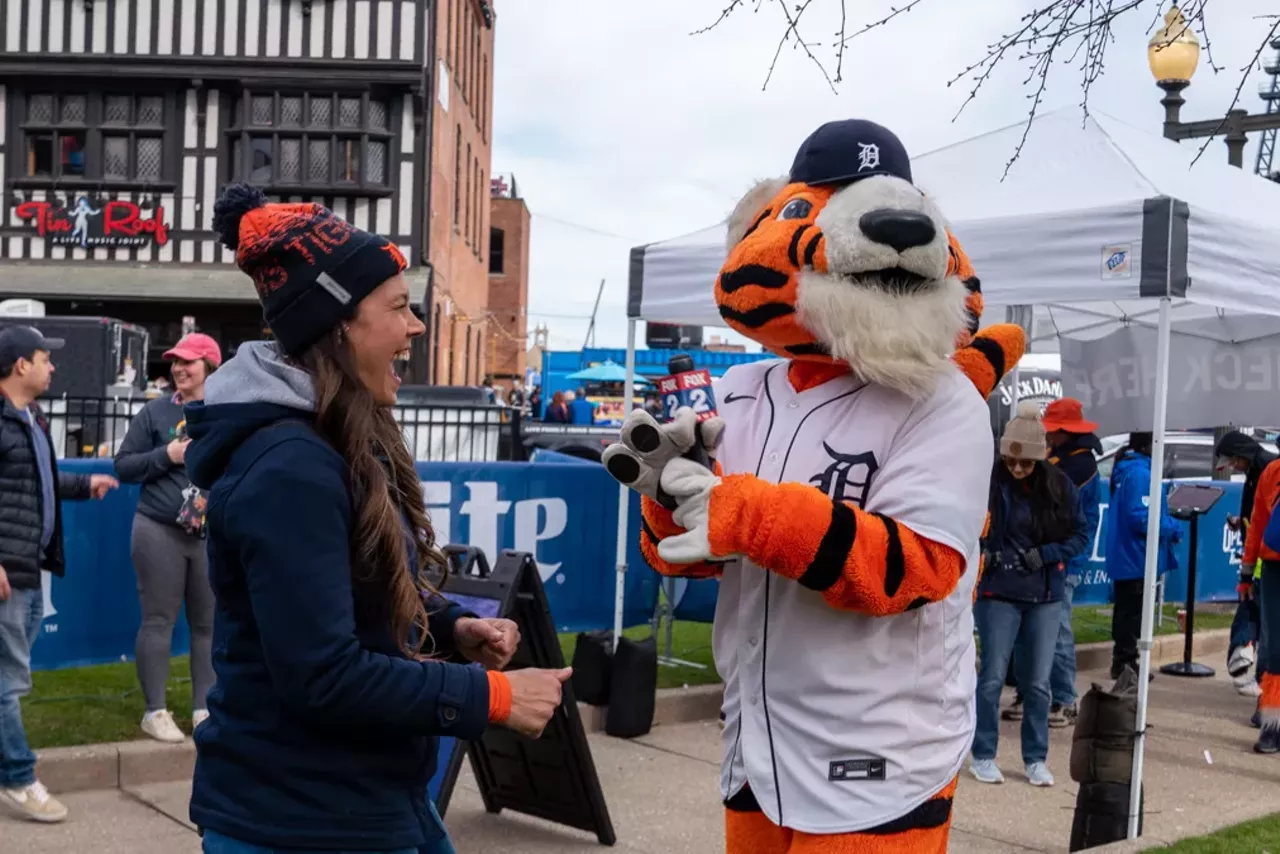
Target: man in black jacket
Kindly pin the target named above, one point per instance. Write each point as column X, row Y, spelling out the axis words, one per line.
column 1238, row 453
column 30, row 541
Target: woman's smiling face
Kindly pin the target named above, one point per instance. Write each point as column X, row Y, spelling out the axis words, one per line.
column 380, row 335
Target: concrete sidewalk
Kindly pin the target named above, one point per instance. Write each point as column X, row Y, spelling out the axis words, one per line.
column 662, row 792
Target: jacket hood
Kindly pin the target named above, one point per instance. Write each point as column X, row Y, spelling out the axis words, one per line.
column 1129, row 463
column 255, row 388
column 1237, row 444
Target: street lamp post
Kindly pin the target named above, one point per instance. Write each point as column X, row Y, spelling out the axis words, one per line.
column 1173, row 54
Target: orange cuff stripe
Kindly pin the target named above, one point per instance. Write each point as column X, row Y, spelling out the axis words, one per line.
column 499, row 697
column 1270, row 699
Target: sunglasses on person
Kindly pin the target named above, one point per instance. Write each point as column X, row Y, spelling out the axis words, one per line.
column 1015, row 464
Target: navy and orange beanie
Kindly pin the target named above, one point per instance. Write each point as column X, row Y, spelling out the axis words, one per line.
column 311, row 268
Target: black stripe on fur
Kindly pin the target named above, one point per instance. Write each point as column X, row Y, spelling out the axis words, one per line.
column 758, row 316
column 828, row 563
column 895, row 565
column 993, row 353
column 793, row 251
column 927, row 816
column 752, row 274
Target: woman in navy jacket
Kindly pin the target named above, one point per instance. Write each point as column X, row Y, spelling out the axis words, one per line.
column 1037, row 527
column 337, row 666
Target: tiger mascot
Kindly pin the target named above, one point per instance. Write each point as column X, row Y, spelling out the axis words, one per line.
column 839, row 495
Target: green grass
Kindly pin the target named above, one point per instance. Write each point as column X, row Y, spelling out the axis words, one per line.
column 89, row 705
column 1253, row 837
column 1092, row 623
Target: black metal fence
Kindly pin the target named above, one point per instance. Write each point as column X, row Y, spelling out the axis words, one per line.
column 95, row 427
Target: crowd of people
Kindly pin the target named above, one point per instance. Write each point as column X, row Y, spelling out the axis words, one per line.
column 1044, row 503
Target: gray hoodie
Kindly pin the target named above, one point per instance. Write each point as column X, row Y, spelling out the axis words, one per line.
column 260, row 373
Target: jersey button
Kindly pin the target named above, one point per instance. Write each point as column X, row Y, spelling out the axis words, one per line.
column 793, row 405
column 773, row 458
column 753, row 641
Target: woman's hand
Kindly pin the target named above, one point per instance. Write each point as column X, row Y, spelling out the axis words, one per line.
column 535, row 696
column 177, row 451
column 488, row 642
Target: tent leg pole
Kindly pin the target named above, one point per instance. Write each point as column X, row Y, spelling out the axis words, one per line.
column 1156, row 502
column 624, row 495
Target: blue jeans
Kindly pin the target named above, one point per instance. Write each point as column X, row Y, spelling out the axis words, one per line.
column 216, row 843
column 1034, row 630
column 1062, row 681
column 20, row 618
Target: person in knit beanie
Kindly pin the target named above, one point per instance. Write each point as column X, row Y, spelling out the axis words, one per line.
column 1037, row 525
column 337, row 664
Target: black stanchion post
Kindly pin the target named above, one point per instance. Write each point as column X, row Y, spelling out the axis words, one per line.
column 1190, row 503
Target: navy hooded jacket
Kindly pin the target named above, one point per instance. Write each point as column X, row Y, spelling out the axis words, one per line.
column 321, row 734
column 1005, row 576
column 1075, row 458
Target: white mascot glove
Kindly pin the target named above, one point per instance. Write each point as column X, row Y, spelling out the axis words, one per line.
column 690, row 484
column 647, row 448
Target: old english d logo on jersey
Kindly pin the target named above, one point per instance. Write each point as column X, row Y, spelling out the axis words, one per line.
column 848, row 478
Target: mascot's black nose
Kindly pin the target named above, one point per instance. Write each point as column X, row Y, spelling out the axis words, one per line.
column 899, row 229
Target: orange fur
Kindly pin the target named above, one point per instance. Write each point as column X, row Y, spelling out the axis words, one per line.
column 753, row 833
column 876, row 573
column 1269, row 702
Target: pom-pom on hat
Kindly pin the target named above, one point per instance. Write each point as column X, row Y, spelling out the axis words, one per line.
column 1023, row 437
column 311, row 268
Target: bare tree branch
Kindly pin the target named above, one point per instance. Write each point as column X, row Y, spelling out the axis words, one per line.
column 1071, row 32
column 1235, row 99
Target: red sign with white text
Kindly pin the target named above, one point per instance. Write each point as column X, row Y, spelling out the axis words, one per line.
column 116, row 224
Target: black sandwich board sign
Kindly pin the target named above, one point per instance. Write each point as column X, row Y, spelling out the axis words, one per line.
column 552, row 777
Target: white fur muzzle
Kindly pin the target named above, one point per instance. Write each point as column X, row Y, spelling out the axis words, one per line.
column 898, row 340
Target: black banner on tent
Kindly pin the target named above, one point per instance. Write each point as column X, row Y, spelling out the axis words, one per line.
column 552, row 777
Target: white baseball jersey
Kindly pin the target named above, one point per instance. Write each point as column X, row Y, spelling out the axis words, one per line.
column 842, row 721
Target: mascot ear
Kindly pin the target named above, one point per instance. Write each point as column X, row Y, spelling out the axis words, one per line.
column 749, row 209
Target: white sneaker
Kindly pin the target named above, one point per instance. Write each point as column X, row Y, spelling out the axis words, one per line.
column 34, row 802
column 1241, row 660
column 198, row 717
column 1247, row 686
column 1038, row 774
column 985, row 771
column 160, row 726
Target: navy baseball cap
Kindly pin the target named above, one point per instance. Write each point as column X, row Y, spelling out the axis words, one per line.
column 847, row 151
column 22, row 342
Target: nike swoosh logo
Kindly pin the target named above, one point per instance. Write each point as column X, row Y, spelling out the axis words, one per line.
column 730, row 398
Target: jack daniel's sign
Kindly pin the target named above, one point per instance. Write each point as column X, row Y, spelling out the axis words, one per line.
column 116, row 224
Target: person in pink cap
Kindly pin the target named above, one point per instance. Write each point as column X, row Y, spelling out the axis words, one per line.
column 169, row 539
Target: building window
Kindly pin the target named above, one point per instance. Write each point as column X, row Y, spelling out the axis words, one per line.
column 99, row 137
column 496, row 241
column 334, row 142
column 484, row 99
column 471, row 186
column 466, row 360
column 457, row 180
column 435, row 348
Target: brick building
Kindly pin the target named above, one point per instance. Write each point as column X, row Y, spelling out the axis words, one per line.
column 508, row 280
column 121, row 121
column 459, row 224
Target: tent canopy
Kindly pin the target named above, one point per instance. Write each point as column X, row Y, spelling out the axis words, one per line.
column 1094, row 211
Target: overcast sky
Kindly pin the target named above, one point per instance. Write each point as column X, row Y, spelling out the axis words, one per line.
column 622, row 128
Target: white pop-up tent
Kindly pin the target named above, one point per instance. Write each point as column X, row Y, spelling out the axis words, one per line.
column 1121, row 245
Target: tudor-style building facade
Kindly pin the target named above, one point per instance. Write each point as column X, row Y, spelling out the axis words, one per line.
column 121, row 120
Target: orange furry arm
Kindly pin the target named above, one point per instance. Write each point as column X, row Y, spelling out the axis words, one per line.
column 859, row 561
column 990, row 354
column 656, row 525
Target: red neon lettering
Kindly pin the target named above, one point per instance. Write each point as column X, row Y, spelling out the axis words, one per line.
column 125, row 218
column 47, row 222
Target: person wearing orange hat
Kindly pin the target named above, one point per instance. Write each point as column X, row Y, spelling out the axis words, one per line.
column 168, row 542
column 1074, row 446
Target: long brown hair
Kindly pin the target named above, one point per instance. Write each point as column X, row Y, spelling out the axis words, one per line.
column 362, row 432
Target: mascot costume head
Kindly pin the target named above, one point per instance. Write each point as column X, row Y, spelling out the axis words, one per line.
column 846, row 262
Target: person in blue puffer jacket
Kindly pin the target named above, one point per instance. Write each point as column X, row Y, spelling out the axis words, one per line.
column 1127, row 546
column 1037, row 525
